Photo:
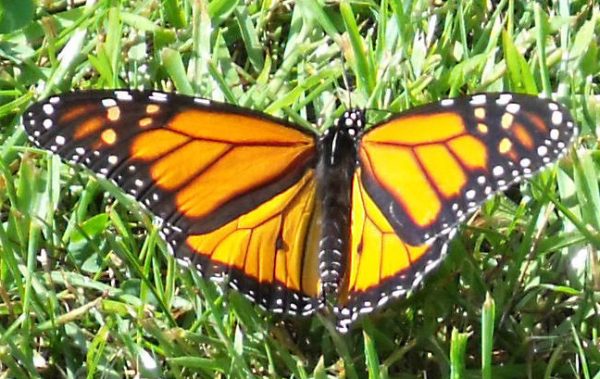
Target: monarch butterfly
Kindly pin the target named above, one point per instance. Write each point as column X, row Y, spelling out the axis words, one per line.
column 293, row 220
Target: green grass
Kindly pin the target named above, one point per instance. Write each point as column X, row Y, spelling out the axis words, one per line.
column 87, row 288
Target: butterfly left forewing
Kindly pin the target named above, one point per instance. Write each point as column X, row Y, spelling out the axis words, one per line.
column 428, row 168
column 169, row 150
column 234, row 188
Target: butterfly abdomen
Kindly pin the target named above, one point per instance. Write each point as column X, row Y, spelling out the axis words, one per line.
column 337, row 163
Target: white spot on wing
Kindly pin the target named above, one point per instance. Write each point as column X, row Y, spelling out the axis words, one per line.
column 123, row 95
column 504, row 99
column 113, row 159
column 513, row 108
column 202, row 101
column 478, row 99
column 48, row 109
column 108, row 102
column 471, row 194
column 557, row 117
column 158, row 96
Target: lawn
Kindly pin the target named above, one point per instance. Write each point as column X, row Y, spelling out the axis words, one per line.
column 89, row 289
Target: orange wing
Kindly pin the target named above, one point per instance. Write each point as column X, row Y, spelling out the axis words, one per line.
column 423, row 171
column 381, row 266
column 267, row 253
column 253, row 174
column 427, row 168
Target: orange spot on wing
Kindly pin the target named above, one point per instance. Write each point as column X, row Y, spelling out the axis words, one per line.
column 504, row 146
column 471, row 151
column 397, row 170
column 146, row 121
column 75, row 112
column 537, row 122
column 113, row 113
column 88, row 127
column 507, row 120
column 152, row 108
column 523, row 136
column 418, row 129
column 443, row 169
column 109, row 136
column 234, row 128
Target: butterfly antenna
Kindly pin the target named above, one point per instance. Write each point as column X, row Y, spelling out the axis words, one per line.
column 346, row 80
column 346, row 84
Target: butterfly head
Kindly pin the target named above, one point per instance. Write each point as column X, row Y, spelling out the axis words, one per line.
column 352, row 122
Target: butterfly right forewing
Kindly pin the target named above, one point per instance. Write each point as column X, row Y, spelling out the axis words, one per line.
column 430, row 167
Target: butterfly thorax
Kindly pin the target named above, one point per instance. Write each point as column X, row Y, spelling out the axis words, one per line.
column 335, row 170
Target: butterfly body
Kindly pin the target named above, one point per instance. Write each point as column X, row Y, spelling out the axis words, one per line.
column 296, row 221
column 336, row 168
